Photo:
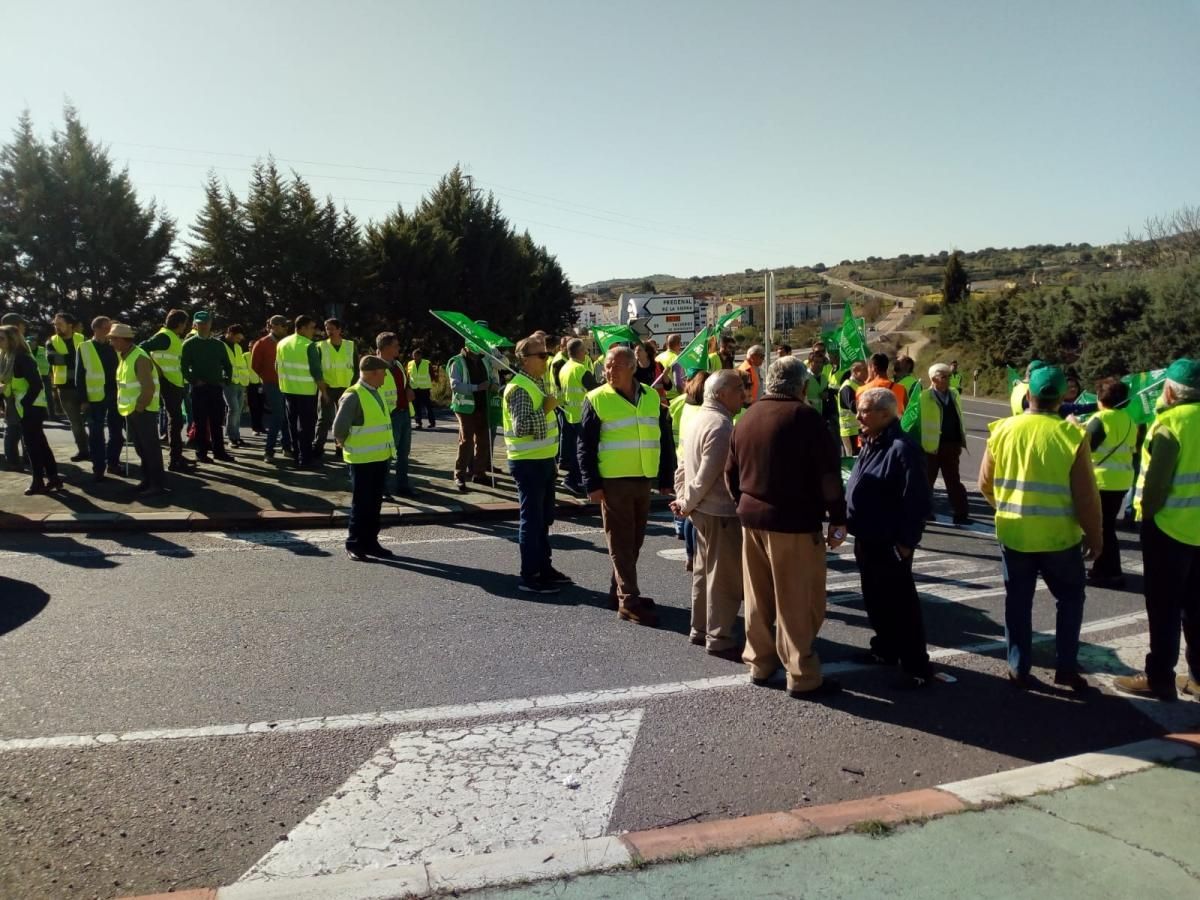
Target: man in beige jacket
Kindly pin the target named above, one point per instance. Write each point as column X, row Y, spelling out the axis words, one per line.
column 704, row 497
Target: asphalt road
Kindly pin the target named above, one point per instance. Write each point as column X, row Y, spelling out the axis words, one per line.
column 438, row 671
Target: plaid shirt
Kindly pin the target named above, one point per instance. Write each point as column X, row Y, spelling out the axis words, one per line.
column 528, row 420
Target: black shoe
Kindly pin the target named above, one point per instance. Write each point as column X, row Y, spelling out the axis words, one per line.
column 158, row 491
column 1072, row 680
column 380, row 552
column 417, row 428
column 553, row 576
column 178, row 465
column 481, row 479
column 35, row 489
column 827, row 688
column 55, row 484
column 388, row 498
column 268, row 455
column 1021, row 682
column 204, row 458
column 460, row 484
column 223, row 457
column 575, row 490
column 732, row 654
column 98, row 477
column 80, row 457
column 698, row 640
column 535, row 586
column 963, row 520
column 871, row 658
column 356, row 555
column 1107, row 582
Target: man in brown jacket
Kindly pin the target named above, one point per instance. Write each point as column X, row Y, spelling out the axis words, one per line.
column 704, row 497
column 782, row 498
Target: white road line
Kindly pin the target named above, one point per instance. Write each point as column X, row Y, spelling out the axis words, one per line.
column 990, row 418
column 464, row 791
column 480, row 710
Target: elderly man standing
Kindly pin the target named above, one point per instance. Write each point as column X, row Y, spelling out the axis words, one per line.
column 470, row 384
column 625, row 448
column 943, row 438
column 704, row 497
column 362, row 428
column 531, row 442
column 781, row 500
column 1037, row 474
column 138, row 401
column 1168, row 503
column 754, row 360
column 887, row 500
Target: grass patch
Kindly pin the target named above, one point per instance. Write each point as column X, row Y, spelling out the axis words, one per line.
column 928, row 323
column 873, row 828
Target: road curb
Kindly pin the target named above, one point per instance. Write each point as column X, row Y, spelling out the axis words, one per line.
column 276, row 519
column 683, row 842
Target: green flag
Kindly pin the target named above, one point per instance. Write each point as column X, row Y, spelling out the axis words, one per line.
column 607, row 335
column 911, row 420
column 1012, row 375
column 852, row 346
column 726, row 319
column 479, row 338
column 694, row 356
column 1144, row 390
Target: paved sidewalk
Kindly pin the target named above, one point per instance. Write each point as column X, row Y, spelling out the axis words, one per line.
column 252, row 493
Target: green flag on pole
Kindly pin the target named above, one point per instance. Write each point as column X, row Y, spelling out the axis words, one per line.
column 852, row 346
column 480, row 339
column 1144, row 390
column 1013, row 376
column 726, row 319
column 607, row 335
column 694, row 357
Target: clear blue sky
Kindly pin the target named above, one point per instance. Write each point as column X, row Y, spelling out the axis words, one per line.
column 640, row 137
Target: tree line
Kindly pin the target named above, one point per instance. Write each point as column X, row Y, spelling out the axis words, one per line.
column 75, row 237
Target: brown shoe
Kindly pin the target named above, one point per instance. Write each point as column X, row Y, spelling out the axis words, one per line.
column 640, row 611
column 1187, row 685
column 1140, row 685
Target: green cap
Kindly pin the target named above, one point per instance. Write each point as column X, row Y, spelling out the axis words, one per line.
column 201, row 316
column 1035, row 364
column 1047, row 382
column 1186, row 372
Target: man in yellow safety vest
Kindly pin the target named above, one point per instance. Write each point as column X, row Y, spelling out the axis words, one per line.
column 60, row 351
column 137, row 401
column 1112, row 438
column 165, row 347
column 235, row 390
column 1168, row 503
column 1037, row 474
column 362, row 428
column 338, row 365
column 420, row 379
column 96, row 367
column 943, row 438
column 301, row 380
column 575, row 379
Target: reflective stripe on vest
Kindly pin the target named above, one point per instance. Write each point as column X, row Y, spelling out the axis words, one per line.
column 169, row 360
column 1180, row 516
column 931, row 418
column 93, row 371
column 629, row 444
column 129, row 389
column 528, row 447
column 1033, row 455
column 371, row 441
column 1113, row 459
column 460, row 403
column 573, row 391
column 337, row 363
column 291, row 361
column 58, row 374
column 418, row 374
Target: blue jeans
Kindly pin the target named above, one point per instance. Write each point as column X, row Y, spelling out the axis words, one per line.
column 234, row 395
column 402, row 438
column 1063, row 572
column 535, row 492
column 689, row 538
column 105, row 454
column 276, row 418
column 570, row 453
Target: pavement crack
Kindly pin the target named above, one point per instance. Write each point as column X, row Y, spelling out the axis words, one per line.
column 1132, row 845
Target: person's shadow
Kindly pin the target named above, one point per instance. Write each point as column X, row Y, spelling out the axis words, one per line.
column 20, row 602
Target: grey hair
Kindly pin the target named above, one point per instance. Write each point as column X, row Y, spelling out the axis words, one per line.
column 787, row 377
column 1183, row 393
column 624, row 352
column 938, row 369
column 756, row 349
column 721, row 380
column 878, row 398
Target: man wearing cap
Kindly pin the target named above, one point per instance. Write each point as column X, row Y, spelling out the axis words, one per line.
column 262, row 361
column 205, row 364
column 338, row 367
column 166, row 350
column 96, row 369
column 61, row 350
column 301, row 380
column 1037, row 474
column 1168, row 503
column 138, row 402
column 531, row 441
column 362, row 428
column 943, row 438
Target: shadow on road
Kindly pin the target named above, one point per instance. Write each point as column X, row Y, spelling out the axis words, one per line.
column 20, row 602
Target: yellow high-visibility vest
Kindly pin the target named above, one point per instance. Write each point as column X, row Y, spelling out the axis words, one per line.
column 291, row 360
column 1180, row 516
column 58, row 373
column 337, row 363
column 170, row 360
column 629, row 433
column 128, row 386
column 527, row 446
column 372, row 440
column 1112, row 461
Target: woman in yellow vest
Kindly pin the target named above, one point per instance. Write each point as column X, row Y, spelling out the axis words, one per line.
column 362, row 428
column 24, row 390
column 1112, row 437
column 62, row 349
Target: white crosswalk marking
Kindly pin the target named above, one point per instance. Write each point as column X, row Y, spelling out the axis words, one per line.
column 458, row 791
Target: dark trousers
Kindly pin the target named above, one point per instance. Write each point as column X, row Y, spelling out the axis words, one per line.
column 302, row 425
column 1171, row 570
column 892, row 604
column 143, row 434
column 1108, row 563
column 367, row 481
column 570, row 454
column 256, row 404
column 402, row 439
column 171, row 399
column 41, row 458
column 105, row 452
column 276, row 418
column 535, row 493
column 327, row 409
column 14, row 448
column 1062, row 570
column 474, row 452
column 69, row 401
column 945, row 460
column 208, row 410
column 422, row 406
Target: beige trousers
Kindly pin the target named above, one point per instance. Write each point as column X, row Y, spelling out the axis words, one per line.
column 784, row 579
column 716, row 579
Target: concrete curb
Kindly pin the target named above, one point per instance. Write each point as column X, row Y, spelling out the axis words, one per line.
column 677, row 842
column 273, row 519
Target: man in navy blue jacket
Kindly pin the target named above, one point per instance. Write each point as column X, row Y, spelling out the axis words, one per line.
column 887, row 502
